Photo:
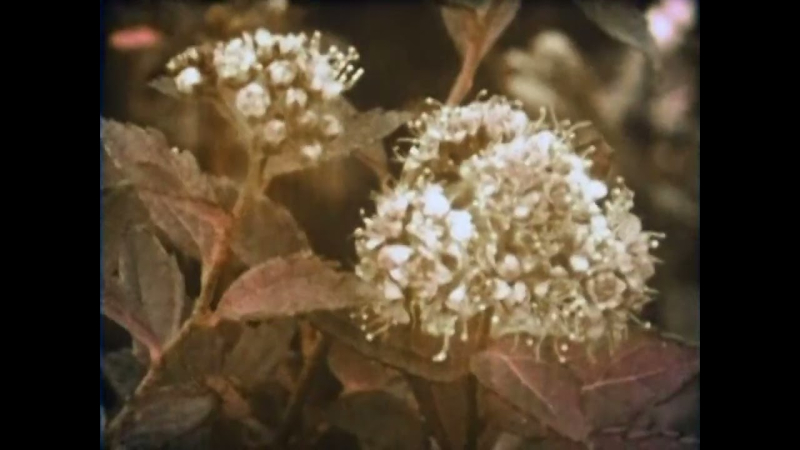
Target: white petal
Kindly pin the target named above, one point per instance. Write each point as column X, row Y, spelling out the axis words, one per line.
column 579, row 263
column 460, row 223
column 502, row 290
column 394, row 255
column 458, row 294
column 435, row 203
column 596, row 190
column 392, row 291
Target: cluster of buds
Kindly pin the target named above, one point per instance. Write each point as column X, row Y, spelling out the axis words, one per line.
column 514, row 228
column 277, row 84
column 450, row 135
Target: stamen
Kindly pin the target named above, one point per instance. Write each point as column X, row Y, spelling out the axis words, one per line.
column 315, row 41
column 442, row 355
column 539, row 349
column 561, row 357
column 375, row 333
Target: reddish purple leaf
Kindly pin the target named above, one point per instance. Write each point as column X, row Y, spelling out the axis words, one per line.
column 289, row 286
column 493, row 438
column 266, row 229
column 179, row 416
column 186, row 415
column 258, row 352
column 237, row 408
column 232, row 402
column 644, row 370
column 401, row 348
column 181, row 199
column 507, row 417
column 198, row 353
column 615, row 441
column 379, row 420
column 152, row 284
column 492, row 19
column 474, row 31
column 364, row 132
column 122, row 210
column 362, row 136
column 123, row 372
column 194, row 226
column 358, row 373
column 147, row 298
column 546, row 390
column 446, row 408
column 130, row 317
column 146, row 159
column 247, row 355
column 680, row 413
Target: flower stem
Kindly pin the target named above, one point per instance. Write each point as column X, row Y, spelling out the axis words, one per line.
column 466, row 76
column 222, row 248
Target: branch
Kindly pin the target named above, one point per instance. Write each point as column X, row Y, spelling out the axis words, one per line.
column 307, row 377
column 466, row 76
column 201, row 313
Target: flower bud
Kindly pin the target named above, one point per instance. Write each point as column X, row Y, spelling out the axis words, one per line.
column 274, row 132
column 187, row 80
column 252, row 100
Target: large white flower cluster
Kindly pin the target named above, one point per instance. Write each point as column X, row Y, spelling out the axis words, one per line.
column 495, row 214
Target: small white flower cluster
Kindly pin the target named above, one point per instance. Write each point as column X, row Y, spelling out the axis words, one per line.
column 450, row 135
column 517, row 229
column 276, row 83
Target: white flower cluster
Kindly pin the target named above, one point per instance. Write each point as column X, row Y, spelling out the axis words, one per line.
column 276, row 83
column 416, row 244
column 449, row 135
column 515, row 228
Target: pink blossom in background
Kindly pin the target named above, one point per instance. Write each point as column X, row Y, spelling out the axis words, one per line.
column 669, row 20
column 135, row 38
column 662, row 28
column 681, row 11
